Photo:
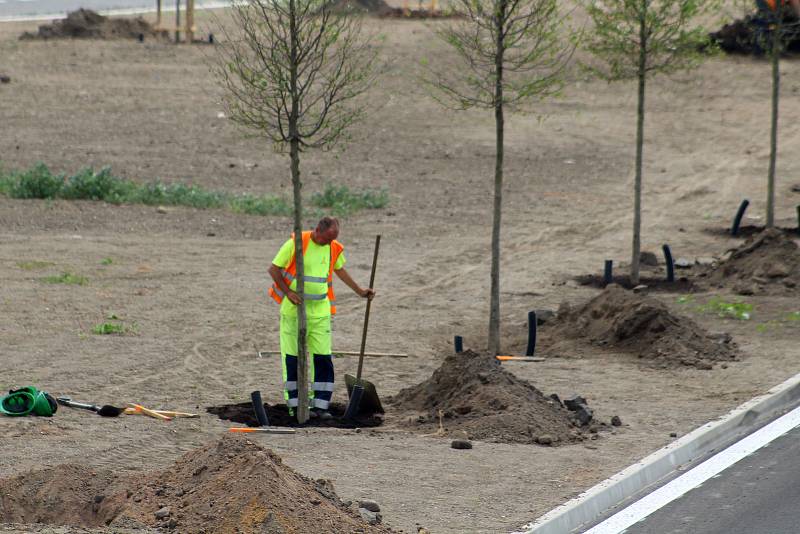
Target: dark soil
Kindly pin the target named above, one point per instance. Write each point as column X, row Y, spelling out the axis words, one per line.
column 474, row 397
column 86, row 24
column 767, row 263
column 682, row 284
column 229, row 486
column 278, row 415
column 749, row 230
column 643, row 326
column 742, row 36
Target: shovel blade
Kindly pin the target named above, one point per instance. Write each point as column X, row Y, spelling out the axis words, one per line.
column 370, row 402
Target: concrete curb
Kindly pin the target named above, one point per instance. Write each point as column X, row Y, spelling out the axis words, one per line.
column 590, row 505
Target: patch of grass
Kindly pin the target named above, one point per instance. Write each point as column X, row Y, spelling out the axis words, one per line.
column 685, row 299
column 793, row 316
column 105, row 329
column 341, row 201
column 67, row 278
column 106, row 261
column 736, row 310
column 40, row 182
column 34, row 265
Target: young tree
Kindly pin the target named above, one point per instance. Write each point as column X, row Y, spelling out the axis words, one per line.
column 291, row 71
column 637, row 39
column 510, row 51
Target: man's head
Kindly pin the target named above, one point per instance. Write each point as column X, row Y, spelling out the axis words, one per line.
column 326, row 231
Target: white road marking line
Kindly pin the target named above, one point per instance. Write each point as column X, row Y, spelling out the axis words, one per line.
column 696, row 476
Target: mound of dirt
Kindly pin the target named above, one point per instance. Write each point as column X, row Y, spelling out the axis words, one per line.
column 746, row 36
column 768, row 262
column 643, row 326
column 230, row 486
column 471, row 393
column 87, row 24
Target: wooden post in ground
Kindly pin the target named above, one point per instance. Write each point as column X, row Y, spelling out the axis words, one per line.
column 158, row 13
column 190, row 21
column 177, row 21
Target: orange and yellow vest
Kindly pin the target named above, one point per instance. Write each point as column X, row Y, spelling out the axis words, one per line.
column 290, row 272
column 773, row 4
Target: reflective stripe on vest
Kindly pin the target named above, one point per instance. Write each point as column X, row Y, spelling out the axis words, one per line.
column 289, row 274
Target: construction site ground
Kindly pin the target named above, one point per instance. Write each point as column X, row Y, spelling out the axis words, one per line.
column 191, row 283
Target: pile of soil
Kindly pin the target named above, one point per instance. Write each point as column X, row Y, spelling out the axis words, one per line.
column 743, row 36
column 767, row 263
column 641, row 325
column 229, row 486
column 479, row 398
column 87, row 24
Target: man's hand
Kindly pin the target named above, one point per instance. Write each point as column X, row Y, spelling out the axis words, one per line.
column 368, row 293
column 294, row 298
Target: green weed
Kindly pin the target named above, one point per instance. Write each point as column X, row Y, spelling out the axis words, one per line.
column 339, row 200
column 736, row 310
column 34, row 265
column 40, row 182
column 793, row 316
column 67, row 278
column 104, row 329
column 106, row 261
column 685, row 299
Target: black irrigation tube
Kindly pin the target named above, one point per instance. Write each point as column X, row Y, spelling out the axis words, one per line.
column 738, row 219
column 669, row 262
column 608, row 272
column 531, row 334
column 458, row 342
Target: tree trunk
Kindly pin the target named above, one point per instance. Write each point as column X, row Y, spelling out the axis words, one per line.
column 773, row 137
column 637, row 186
column 494, row 311
column 294, row 153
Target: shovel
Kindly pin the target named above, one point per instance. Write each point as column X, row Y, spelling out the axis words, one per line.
column 105, row 410
column 362, row 393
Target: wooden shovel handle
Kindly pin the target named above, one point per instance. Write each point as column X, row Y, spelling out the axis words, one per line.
column 151, row 413
column 366, row 314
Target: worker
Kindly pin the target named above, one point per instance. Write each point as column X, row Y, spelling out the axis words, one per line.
column 322, row 256
column 770, row 6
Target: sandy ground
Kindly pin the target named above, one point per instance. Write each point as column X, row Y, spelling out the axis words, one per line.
column 191, row 283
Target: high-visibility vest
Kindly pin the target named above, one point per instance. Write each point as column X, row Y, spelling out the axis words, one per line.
column 290, row 272
column 773, row 4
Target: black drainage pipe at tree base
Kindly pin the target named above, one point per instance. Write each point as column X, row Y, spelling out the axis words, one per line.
column 737, row 221
column 669, row 262
column 608, row 272
column 531, row 334
column 458, row 342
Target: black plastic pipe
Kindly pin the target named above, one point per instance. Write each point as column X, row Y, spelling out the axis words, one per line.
column 608, row 272
column 669, row 262
column 531, row 334
column 458, row 341
column 738, row 219
column 258, row 408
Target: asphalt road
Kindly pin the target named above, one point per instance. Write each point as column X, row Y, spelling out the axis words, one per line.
column 43, row 9
column 757, row 495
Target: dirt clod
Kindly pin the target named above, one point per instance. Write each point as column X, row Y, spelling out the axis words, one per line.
column 471, row 393
column 87, row 24
column 246, row 486
column 641, row 325
column 763, row 264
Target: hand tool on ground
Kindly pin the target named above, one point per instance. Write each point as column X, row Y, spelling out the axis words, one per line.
column 520, row 358
column 168, row 413
column 343, row 353
column 266, row 430
column 106, row 410
column 363, row 396
column 151, row 413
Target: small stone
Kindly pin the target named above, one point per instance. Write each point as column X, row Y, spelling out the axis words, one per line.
column 461, row 444
column 640, row 288
column 180, row 493
column 648, row 258
column 744, row 289
column 594, row 436
column 574, row 402
column 373, row 518
column 616, row 421
column 673, row 434
column 99, row 498
column 556, row 399
column 138, row 498
column 724, row 365
column 162, row 513
column 162, row 209
column 795, row 187
column 370, row 505
column 315, row 502
column 544, row 439
column 789, row 283
column 705, row 261
column 5, row 78
column 778, row 270
column 172, row 523
column 358, row 431
column 682, row 263
column 584, row 415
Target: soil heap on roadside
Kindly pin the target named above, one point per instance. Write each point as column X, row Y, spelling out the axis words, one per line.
column 641, row 325
column 87, row 24
column 480, row 400
column 229, row 486
column 748, row 35
column 768, row 262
